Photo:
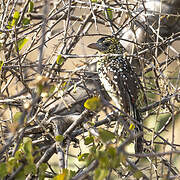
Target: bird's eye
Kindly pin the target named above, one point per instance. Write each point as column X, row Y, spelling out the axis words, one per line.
column 107, row 44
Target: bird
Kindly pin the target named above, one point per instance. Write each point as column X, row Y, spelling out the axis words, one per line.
column 119, row 80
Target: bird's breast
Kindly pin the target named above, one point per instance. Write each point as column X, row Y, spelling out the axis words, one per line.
column 109, row 86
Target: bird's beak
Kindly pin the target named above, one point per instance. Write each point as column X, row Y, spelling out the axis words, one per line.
column 93, row 46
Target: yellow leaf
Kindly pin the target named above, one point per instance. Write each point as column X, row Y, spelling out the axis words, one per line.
column 60, row 176
column 93, row 103
column 1, row 64
column 60, row 60
column 74, row 88
column 15, row 18
column 83, row 157
column 21, row 43
column 131, row 127
column 59, row 138
column 64, row 85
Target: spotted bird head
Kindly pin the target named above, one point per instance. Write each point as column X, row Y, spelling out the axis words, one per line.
column 107, row 45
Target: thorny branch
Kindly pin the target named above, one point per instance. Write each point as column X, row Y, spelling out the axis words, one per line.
column 43, row 92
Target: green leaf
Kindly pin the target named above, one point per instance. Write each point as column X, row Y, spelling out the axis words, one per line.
column 39, row 88
column 20, row 175
column 30, row 169
column 1, row 64
column 88, row 140
column 28, row 149
column 3, row 170
column 42, row 169
column 17, row 116
column 11, row 164
column 71, row 173
column 19, row 155
column 93, row 104
column 93, row 150
column 103, row 158
column 109, row 13
column 25, row 21
column 138, row 174
column 21, row 43
column 31, row 6
column 94, row 1
column 114, row 157
column 101, row 174
column 51, row 90
column 83, row 157
column 112, row 152
column 105, row 135
column 59, row 138
column 27, row 144
column 60, row 60
column 15, row 18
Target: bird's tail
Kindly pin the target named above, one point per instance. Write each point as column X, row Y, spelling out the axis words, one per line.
column 138, row 128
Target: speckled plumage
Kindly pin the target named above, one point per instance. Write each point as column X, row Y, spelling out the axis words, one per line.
column 119, row 79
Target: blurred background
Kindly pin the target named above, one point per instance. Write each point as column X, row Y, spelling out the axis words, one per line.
column 45, row 61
